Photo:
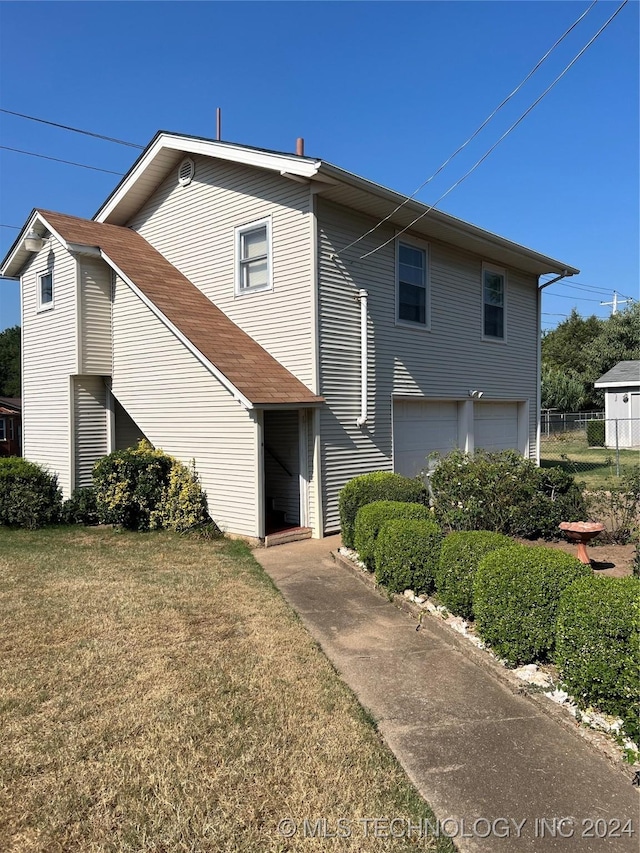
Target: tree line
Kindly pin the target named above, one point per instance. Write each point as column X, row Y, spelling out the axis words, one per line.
column 579, row 351
column 10, row 362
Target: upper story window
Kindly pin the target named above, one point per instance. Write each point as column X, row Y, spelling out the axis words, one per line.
column 412, row 284
column 253, row 257
column 45, row 291
column 494, row 282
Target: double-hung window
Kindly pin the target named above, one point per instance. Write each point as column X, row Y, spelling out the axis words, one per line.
column 253, row 257
column 45, row 290
column 412, row 284
column 3, row 430
column 494, row 282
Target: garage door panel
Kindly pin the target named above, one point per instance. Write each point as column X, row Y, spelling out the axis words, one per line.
column 421, row 428
column 495, row 426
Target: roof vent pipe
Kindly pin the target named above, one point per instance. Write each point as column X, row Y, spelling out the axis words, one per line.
column 300, row 146
column 218, row 124
column 362, row 295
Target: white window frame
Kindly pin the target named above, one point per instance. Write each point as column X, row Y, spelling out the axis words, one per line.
column 3, row 429
column 240, row 230
column 423, row 247
column 490, row 268
column 46, row 306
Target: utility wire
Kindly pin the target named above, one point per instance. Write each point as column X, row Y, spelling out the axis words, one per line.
column 15, row 227
column 504, row 135
column 73, row 129
column 474, row 134
column 57, row 160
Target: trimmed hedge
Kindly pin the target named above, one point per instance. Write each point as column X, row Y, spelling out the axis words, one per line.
column 407, row 552
column 505, row 493
column 29, row 495
column 595, row 433
column 598, row 646
column 459, row 559
column 516, row 592
column 370, row 519
column 378, row 486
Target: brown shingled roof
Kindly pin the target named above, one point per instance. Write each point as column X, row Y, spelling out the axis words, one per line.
column 250, row 368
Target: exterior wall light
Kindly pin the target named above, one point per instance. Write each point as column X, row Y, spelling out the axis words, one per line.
column 475, row 395
column 33, row 242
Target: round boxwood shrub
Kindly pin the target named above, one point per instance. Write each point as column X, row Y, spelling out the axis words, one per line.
column 516, row 592
column 29, row 495
column 407, row 551
column 598, row 646
column 370, row 519
column 459, row 560
column 378, row 486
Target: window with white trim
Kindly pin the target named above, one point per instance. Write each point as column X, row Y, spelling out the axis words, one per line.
column 493, row 302
column 412, row 284
column 45, row 290
column 253, row 257
column 3, row 430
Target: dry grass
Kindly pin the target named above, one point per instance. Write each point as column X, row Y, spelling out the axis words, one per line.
column 157, row 694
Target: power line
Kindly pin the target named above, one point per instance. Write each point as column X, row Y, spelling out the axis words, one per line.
column 57, row 160
column 475, row 133
column 504, row 135
column 73, row 129
column 15, row 227
column 575, row 298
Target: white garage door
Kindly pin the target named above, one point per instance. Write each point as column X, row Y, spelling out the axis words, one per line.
column 419, row 429
column 495, row 426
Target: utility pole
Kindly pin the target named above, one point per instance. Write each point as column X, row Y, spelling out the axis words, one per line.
column 616, row 301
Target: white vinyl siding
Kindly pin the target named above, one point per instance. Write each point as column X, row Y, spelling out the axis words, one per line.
column 95, row 317
column 127, row 432
column 194, row 227
column 49, row 340
column 404, row 362
column 90, row 421
column 186, row 411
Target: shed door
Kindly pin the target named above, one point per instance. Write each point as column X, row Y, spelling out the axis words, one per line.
column 421, row 428
column 495, row 426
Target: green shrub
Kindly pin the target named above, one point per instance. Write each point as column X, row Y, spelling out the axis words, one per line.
column 407, row 552
column 618, row 507
column 515, row 598
column 598, row 647
column 183, row 505
column 370, row 519
column 378, row 486
column 459, row 559
column 504, row 493
column 29, row 495
column 81, row 507
column 595, row 433
column 143, row 488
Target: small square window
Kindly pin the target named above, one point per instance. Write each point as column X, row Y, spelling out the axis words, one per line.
column 412, row 284
column 253, row 257
column 45, row 290
column 493, row 303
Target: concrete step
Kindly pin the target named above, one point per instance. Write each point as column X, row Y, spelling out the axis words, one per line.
column 291, row 534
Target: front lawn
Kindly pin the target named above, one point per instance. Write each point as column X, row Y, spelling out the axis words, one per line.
column 158, row 694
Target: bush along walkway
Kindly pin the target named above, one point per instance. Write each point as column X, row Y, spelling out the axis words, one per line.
column 499, row 771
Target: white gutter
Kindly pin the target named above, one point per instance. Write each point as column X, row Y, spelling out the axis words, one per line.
column 362, row 295
column 541, row 287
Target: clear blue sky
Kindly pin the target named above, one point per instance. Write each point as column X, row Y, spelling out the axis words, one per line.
column 386, row 90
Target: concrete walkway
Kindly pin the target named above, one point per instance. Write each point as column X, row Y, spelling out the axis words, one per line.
column 475, row 750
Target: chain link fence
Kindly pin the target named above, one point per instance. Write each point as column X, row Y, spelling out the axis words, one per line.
column 596, row 450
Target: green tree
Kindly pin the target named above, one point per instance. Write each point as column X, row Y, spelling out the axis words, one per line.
column 10, row 362
column 619, row 340
column 563, row 347
column 563, row 391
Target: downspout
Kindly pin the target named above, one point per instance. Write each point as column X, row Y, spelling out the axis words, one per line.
column 541, row 287
column 362, row 295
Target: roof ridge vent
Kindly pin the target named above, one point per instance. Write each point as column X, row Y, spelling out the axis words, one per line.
column 186, row 171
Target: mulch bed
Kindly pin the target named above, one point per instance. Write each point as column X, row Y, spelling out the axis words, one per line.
column 613, row 560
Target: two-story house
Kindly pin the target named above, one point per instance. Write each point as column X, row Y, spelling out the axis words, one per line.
column 216, row 306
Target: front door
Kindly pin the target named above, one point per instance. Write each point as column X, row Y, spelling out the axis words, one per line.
column 281, row 470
